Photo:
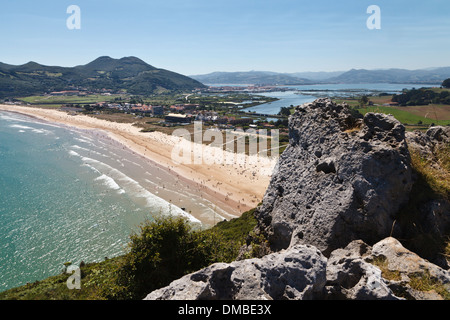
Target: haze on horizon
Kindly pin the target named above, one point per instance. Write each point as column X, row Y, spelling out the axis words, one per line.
column 199, row 36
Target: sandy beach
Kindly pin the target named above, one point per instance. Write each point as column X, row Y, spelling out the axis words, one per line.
column 235, row 187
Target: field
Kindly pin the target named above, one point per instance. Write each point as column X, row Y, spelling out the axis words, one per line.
column 57, row 101
column 416, row 115
column 413, row 117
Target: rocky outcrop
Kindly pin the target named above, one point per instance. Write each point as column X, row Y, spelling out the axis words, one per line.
column 386, row 271
column 427, row 143
column 340, row 179
column 329, row 213
column 298, row 273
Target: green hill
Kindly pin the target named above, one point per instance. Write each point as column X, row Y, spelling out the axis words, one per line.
column 128, row 74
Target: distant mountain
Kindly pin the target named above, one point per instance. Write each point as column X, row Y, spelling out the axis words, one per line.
column 129, row 74
column 431, row 76
column 317, row 75
column 250, row 77
column 422, row 76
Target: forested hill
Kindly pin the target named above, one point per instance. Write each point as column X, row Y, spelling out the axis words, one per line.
column 129, row 74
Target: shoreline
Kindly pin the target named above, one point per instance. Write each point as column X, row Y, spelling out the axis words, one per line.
column 234, row 188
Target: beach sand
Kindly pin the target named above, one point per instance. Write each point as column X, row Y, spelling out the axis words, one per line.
column 235, row 187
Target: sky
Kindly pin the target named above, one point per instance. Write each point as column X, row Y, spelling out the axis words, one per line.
column 201, row 36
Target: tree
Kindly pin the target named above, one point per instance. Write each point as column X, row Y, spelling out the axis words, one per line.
column 446, row 83
column 285, row 111
column 164, row 250
column 363, row 101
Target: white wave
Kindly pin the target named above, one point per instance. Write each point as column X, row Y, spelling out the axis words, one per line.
column 75, row 146
column 84, row 140
column 91, row 167
column 109, row 182
column 18, row 126
column 73, row 153
column 35, row 130
column 133, row 188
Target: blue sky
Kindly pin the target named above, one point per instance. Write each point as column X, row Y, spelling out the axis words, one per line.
column 202, row 36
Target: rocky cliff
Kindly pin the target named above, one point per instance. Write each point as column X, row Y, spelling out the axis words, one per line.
column 340, row 179
column 329, row 214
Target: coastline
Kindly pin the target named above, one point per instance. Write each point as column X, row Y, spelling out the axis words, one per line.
column 234, row 188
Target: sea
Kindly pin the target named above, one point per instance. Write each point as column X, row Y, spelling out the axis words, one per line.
column 72, row 195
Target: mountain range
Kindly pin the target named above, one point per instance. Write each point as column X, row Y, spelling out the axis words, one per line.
column 251, row 77
column 129, row 74
column 421, row 76
column 134, row 76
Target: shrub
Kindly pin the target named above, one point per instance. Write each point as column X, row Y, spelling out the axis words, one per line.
column 164, row 250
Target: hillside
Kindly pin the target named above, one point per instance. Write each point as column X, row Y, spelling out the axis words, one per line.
column 433, row 76
column 422, row 76
column 251, row 77
column 128, row 74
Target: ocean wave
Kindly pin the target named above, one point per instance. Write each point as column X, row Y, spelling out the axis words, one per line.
column 109, row 182
column 35, row 130
column 73, row 153
column 134, row 189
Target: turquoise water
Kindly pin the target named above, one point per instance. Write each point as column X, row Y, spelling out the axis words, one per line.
column 72, row 195
column 298, row 95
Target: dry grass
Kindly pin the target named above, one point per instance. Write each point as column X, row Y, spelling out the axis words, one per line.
column 425, row 282
column 437, row 175
column 382, row 263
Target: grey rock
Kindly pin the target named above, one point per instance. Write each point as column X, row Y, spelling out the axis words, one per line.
column 382, row 272
column 426, row 143
column 295, row 274
column 340, row 179
column 351, row 277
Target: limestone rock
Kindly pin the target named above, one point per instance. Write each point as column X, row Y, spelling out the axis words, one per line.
column 385, row 271
column 298, row 273
column 340, row 179
column 426, row 143
column 350, row 277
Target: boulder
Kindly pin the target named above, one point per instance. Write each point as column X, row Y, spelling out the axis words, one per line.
column 351, row 277
column 295, row 274
column 341, row 178
column 386, row 271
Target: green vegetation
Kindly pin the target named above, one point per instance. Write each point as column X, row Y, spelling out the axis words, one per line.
column 423, row 96
column 163, row 250
column 404, row 116
column 425, row 282
column 57, row 101
column 446, row 83
column 412, row 116
column 382, row 263
column 130, row 75
column 431, row 183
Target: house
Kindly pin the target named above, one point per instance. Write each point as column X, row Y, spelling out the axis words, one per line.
column 177, row 118
column 158, row 110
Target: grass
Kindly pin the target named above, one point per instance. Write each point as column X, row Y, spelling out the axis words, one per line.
column 437, row 178
column 59, row 100
column 431, row 183
column 382, row 263
column 414, row 117
column 95, row 278
column 425, row 282
column 405, row 116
